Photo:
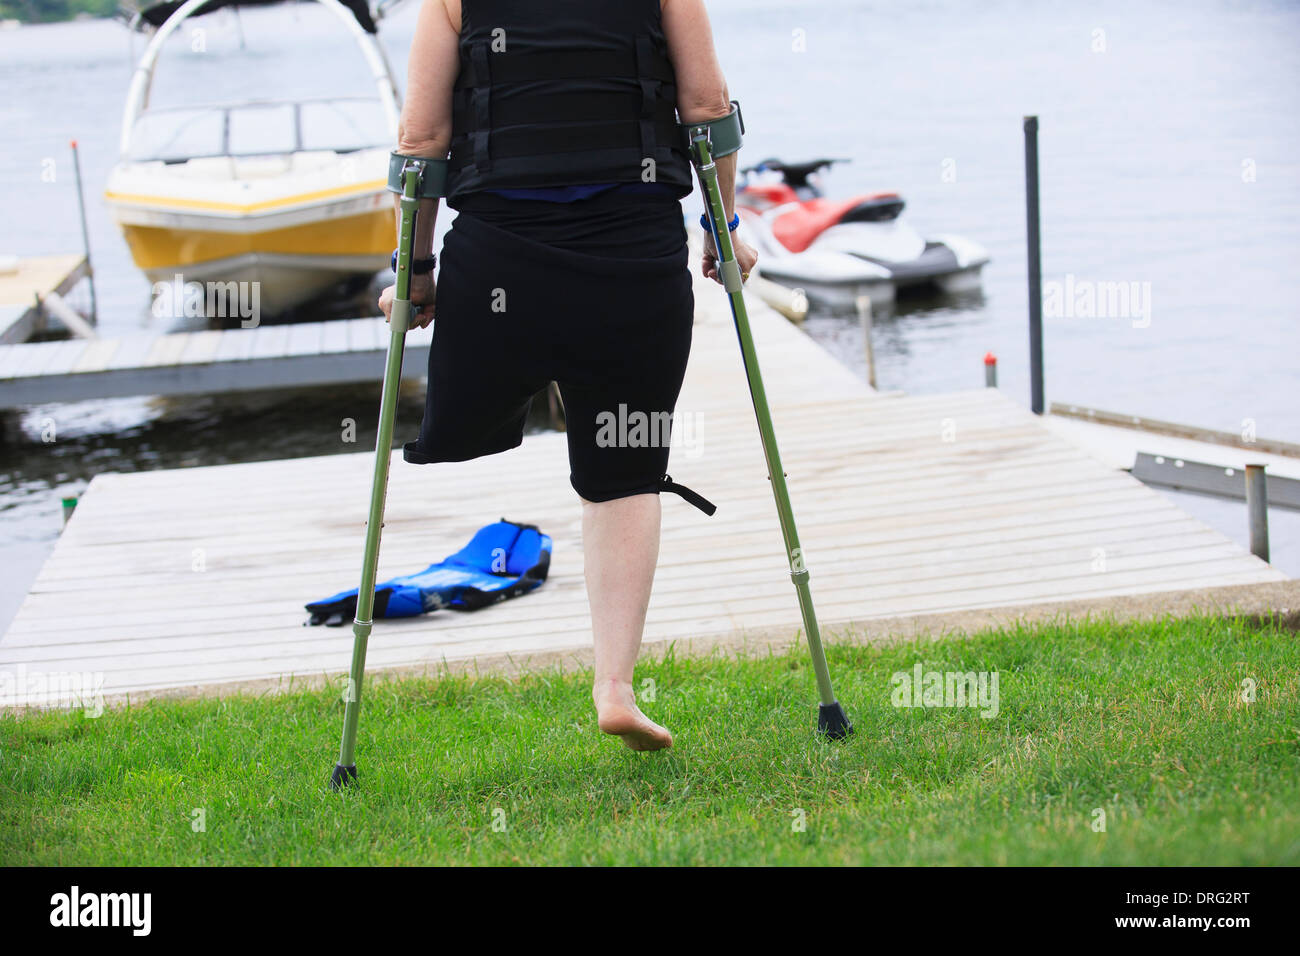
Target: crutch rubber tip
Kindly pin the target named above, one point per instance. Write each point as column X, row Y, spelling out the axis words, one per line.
column 833, row 722
column 343, row 776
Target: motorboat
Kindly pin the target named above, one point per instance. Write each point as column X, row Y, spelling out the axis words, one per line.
column 286, row 193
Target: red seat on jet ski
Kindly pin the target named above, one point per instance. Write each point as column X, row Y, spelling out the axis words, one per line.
column 775, row 194
column 797, row 228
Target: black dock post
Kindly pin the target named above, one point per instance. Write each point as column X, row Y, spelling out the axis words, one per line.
column 1035, row 267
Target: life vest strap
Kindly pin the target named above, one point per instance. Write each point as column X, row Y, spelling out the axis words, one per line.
column 569, row 64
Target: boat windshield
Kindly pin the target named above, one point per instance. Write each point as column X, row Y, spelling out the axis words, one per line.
column 260, row 128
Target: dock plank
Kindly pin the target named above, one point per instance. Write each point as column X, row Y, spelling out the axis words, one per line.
column 334, row 337
column 236, row 345
column 98, row 353
column 201, row 347
column 269, row 341
column 306, row 338
column 65, row 358
column 167, row 349
column 132, row 352
column 40, row 356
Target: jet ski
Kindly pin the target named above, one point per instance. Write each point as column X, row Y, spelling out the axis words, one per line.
column 836, row 250
column 502, row 560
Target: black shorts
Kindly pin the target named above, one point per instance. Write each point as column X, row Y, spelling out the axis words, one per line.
column 613, row 331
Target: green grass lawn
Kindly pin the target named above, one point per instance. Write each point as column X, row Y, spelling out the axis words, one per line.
column 1145, row 722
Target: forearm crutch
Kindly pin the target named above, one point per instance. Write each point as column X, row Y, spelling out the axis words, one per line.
column 707, row 142
column 415, row 179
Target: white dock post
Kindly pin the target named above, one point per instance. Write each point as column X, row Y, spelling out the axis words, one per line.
column 1257, row 510
column 864, row 314
column 85, row 233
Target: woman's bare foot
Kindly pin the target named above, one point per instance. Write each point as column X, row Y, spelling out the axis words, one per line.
column 618, row 714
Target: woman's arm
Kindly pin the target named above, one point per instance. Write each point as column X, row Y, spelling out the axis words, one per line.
column 425, row 125
column 701, row 87
column 702, row 95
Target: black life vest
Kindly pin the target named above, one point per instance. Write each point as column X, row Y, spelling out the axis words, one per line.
column 563, row 93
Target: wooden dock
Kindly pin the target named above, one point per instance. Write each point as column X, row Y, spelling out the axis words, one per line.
column 270, row 356
column 194, row 580
column 30, row 282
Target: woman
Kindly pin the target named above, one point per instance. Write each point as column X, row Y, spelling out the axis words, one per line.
column 567, row 261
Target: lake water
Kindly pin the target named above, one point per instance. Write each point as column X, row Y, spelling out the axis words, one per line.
column 1170, row 151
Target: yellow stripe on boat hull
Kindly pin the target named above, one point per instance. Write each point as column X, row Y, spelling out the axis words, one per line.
column 174, row 202
column 370, row 233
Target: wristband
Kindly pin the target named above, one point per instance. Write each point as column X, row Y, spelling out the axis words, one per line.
column 419, row 267
column 731, row 226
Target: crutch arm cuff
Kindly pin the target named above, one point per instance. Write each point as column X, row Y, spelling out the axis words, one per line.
column 725, row 134
column 433, row 181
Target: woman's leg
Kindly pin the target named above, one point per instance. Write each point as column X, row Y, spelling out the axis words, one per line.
column 620, row 539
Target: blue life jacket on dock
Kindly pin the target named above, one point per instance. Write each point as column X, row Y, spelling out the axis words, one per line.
column 502, row 560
